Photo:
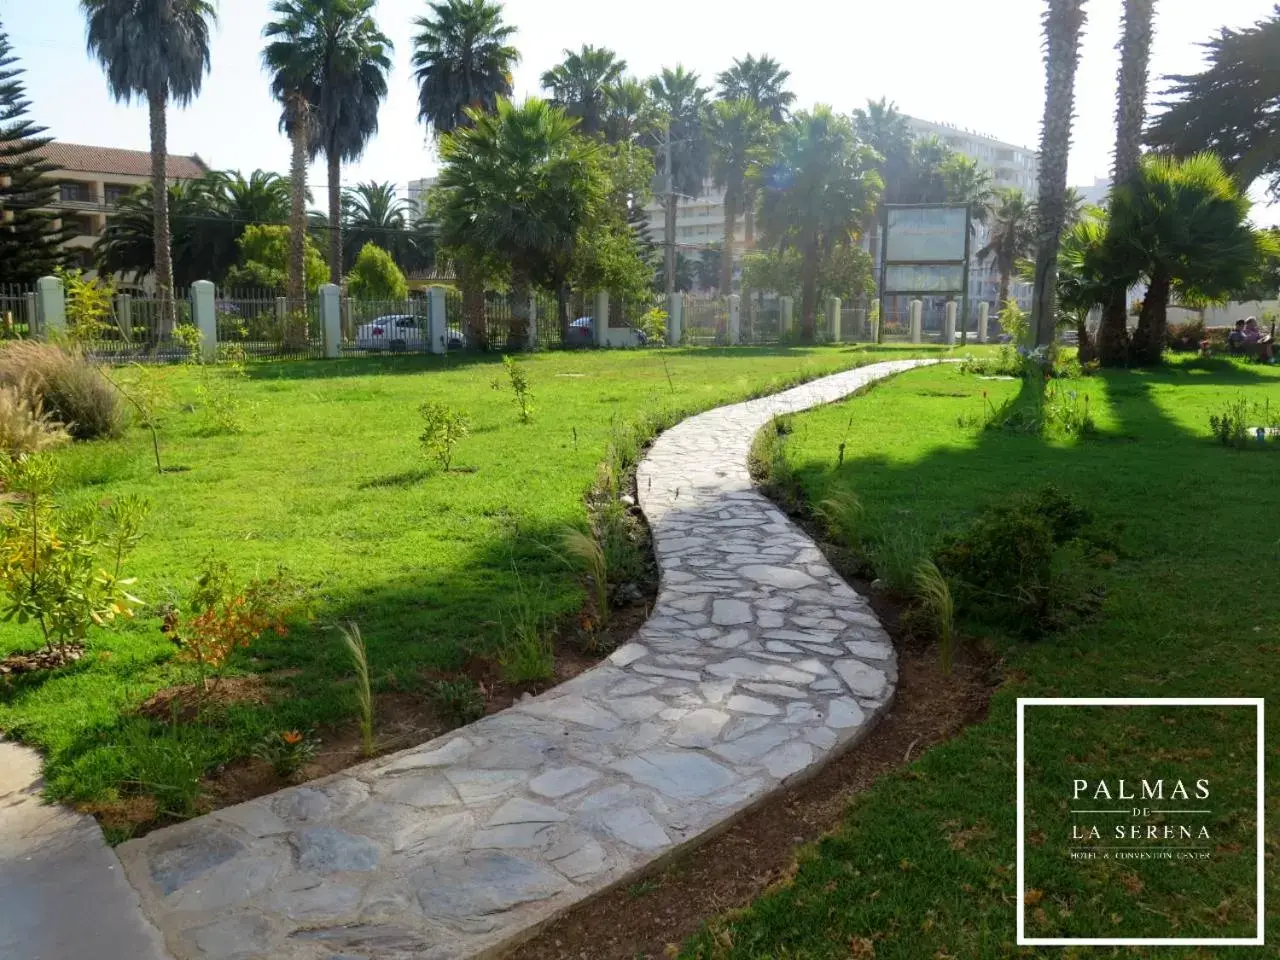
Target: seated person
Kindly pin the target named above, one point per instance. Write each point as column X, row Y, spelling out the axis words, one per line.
column 1257, row 342
column 1236, row 337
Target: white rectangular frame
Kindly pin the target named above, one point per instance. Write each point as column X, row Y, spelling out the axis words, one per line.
column 1256, row 941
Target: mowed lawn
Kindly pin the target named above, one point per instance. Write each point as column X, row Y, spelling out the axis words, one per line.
column 924, row 864
column 328, row 479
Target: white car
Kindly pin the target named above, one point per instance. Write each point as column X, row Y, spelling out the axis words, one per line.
column 393, row 332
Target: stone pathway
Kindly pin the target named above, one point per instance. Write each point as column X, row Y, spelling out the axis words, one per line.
column 758, row 664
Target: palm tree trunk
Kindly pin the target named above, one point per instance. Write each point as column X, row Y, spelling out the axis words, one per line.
column 1148, row 339
column 296, row 289
column 809, row 292
column 670, row 242
column 335, row 215
column 1062, row 26
column 749, row 221
column 472, row 283
column 726, row 251
column 156, row 102
column 1004, row 291
column 518, row 332
column 1135, row 52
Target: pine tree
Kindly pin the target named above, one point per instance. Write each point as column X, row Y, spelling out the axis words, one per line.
column 30, row 241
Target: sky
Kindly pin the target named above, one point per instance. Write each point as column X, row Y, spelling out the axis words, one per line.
column 975, row 64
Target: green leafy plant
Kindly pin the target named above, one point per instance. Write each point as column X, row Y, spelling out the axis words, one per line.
column 586, row 550
column 191, row 340
column 525, row 654
column 519, row 379
column 896, row 552
column 287, row 751
column 88, row 306
column 841, row 514
column 355, row 646
column 459, row 700
column 62, row 568
column 653, row 324
column 933, row 594
column 442, row 428
column 1230, row 425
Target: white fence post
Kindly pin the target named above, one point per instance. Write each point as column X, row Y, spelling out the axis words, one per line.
column 787, row 312
column 51, row 306
column 600, row 322
column 331, row 319
column 437, row 321
column 833, row 318
column 124, row 314
column 916, row 314
column 735, row 319
column 949, row 324
column 984, row 316
column 675, row 318
column 204, row 313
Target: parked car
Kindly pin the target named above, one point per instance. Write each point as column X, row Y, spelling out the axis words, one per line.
column 582, row 333
column 393, row 332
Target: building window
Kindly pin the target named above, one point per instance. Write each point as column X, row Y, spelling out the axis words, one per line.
column 113, row 193
column 84, row 226
column 73, row 192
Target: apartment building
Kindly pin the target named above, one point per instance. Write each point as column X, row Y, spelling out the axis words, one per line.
column 93, row 180
column 699, row 223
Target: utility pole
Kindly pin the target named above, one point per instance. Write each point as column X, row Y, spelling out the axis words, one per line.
column 670, row 218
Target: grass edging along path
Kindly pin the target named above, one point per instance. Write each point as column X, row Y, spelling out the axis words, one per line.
column 327, row 477
column 923, row 864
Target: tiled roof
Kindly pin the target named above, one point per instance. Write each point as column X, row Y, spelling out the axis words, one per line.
column 135, row 163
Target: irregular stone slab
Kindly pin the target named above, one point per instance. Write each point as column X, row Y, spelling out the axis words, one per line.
column 758, row 665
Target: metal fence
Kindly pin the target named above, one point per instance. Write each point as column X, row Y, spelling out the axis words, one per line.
column 137, row 330
column 17, row 311
column 760, row 318
column 264, row 324
column 706, row 320
column 385, row 326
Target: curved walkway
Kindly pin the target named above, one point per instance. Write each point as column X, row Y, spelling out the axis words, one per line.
column 758, row 665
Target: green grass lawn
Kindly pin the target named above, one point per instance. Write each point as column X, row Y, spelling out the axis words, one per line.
column 924, row 864
column 328, row 479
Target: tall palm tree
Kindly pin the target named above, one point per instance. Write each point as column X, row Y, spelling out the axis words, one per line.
column 819, row 195
column 966, row 182
column 262, row 198
column 579, row 85
column 461, row 60
column 1011, row 237
column 1183, row 225
column 883, row 128
column 762, row 81
column 682, row 105
column 157, row 50
column 519, row 184
column 340, row 57
column 375, row 214
column 1131, row 104
column 629, row 112
column 1063, row 21
column 739, row 134
column 290, row 85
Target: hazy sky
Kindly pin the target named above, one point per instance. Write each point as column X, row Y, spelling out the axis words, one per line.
column 973, row 64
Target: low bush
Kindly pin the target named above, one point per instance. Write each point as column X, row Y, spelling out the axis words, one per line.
column 71, row 389
column 24, row 426
column 1230, row 425
column 1185, row 336
column 459, row 701
column 442, row 428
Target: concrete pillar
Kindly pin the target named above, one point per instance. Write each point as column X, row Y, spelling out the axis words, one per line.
column 984, row 316
column 916, row 315
column 124, row 314
column 833, row 318
column 30, row 314
column 331, row 319
column 675, row 318
column 735, row 319
column 437, row 322
column 204, row 314
column 51, row 306
column 875, row 327
column 859, row 322
column 949, row 324
column 600, row 321
column 786, row 322
column 533, row 322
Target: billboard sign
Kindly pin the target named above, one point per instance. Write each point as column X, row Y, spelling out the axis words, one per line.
column 926, row 249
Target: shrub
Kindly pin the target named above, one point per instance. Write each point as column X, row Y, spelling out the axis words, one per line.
column 442, row 428
column 896, row 554
column 375, row 276
column 24, row 426
column 653, row 324
column 1185, row 336
column 89, row 306
column 584, row 548
column 526, row 654
column 1230, row 425
column 71, row 389
column 519, row 379
column 458, row 700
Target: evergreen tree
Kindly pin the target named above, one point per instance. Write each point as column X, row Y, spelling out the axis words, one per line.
column 30, row 242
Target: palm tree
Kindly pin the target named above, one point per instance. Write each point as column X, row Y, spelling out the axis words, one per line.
column 290, row 85
column 1084, row 272
column 1063, row 21
column 263, row 198
column 880, row 126
column 518, row 184
column 966, row 182
column 762, row 81
column 580, row 84
column 818, row 196
column 1131, row 104
column 340, row 57
column 462, row 61
column 629, row 112
column 1011, row 237
column 375, row 214
column 740, row 135
column 158, row 50
column 1183, row 225
column 682, row 104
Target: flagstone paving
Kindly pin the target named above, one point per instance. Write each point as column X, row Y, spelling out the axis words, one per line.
column 758, row 664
